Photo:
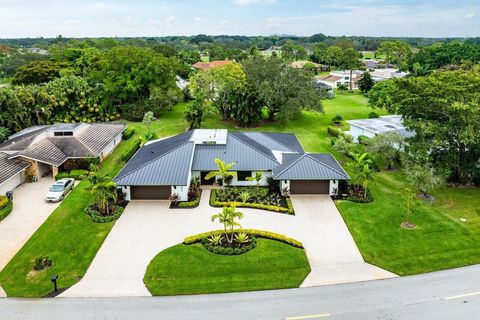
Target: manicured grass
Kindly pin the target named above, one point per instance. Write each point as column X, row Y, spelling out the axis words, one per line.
column 68, row 237
column 191, row 269
column 440, row 241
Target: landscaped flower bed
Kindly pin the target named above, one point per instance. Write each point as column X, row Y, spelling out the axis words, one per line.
column 6, row 207
column 192, row 203
column 233, row 245
column 94, row 213
column 251, row 197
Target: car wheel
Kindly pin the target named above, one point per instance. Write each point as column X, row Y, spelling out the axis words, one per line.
column 63, row 197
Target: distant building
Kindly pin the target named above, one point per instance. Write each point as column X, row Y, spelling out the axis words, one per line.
column 301, row 64
column 341, row 78
column 209, row 65
column 371, row 64
column 272, row 50
column 373, row 127
column 38, row 51
column 385, row 74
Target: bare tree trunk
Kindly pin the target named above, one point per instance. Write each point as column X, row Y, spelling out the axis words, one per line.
column 351, row 80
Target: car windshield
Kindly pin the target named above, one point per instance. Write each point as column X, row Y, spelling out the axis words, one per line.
column 56, row 188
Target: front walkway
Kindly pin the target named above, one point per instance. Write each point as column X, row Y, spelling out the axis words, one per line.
column 149, row 227
column 29, row 212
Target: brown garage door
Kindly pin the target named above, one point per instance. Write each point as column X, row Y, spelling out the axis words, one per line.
column 150, row 193
column 310, row 187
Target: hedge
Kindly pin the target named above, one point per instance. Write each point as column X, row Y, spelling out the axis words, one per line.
column 103, row 219
column 229, row 251
column 128, row 133
column 127, row 155
column 6, row 209
column 218, row 204
column 253, row 232
column 62, row 175
column 190, row 204
column 78, row 174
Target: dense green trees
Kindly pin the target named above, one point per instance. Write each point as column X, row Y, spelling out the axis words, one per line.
column 444, row 111
column 395, row 51
column 441, row 55
column 37, row 72
column 366, row 83
column 350, row 60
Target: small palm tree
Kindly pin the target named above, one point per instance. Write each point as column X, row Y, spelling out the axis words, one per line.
column 257, row 178
column 227, row 217
column 223, row 172
column 245, row 196
column 104, row 192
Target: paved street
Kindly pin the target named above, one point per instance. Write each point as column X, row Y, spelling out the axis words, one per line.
column 446, row 295
column 149, row 227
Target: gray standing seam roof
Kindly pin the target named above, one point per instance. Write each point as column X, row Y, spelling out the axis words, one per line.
column 237, row 150
column 170, row 169
column 269, row 142
column 288, row 139
column 10, row 167
column 309, row 167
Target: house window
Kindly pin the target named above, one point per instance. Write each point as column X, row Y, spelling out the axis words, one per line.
column 243, row 175
column 63, row 133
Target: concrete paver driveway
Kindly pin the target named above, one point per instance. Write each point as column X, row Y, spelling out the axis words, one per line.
column 149, row 227
column 29, row 212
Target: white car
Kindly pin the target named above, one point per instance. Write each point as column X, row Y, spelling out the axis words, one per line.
column 59, row 190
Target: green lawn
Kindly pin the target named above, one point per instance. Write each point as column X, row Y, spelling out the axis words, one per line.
column 191, row 269
column 441, row 240
column 69, row 237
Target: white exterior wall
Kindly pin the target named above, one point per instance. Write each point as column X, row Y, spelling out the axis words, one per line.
column 355, row 132
column 333, row 187
column 182, row 192
column 126, row 191
column 12, row 183
column 284, row 184
column 111, row 146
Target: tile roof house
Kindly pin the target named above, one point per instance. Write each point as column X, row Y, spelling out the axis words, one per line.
column 167, row 166
column 209, row 65
column 338, row 78
column 41, row 150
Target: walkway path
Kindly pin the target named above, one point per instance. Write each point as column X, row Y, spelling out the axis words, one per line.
column 149, row 227
column 29, row 212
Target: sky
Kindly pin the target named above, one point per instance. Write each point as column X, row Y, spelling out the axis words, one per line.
column 110, row 18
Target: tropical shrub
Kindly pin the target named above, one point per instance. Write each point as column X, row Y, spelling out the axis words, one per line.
column 42, row 263
column 337, row 120
column 115, row 213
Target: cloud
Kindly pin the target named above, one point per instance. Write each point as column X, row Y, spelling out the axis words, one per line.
column 249, row 2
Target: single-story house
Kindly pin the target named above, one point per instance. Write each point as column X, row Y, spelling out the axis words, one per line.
column 371, row 64
column 338, row 78
column 372, row 127
column 165, row 167
column 209, row 65
column 41, row 151
column 385, row 74
column 301, row 64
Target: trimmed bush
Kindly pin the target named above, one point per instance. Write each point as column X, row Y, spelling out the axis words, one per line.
column 96, row 217
column 128, row 133
column 128, row 154
column 6, row 209
column 215, row 203
column 229, row 251
column 334, row 132
column 373, row 115
column 3, row 201
column 253, row 232
column 78, row 174
column 190, row 204
column 62, row 175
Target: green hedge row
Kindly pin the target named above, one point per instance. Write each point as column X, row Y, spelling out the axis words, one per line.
column 229, row 251
column 128, row 133
column 128, row 154
column 189, row 204
column 253, row 232
column 5, row 211
column 74, row 174
column 104, row 219
column 215, row 203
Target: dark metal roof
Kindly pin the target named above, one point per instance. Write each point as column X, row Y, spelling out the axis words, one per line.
column 168, row 169
column 253, row 144
column 269, row 142
column 288, row 139
column 10, row 167
column 309, row 166
column 237, row 150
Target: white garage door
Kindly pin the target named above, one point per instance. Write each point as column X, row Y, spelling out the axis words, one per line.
column 11, row 183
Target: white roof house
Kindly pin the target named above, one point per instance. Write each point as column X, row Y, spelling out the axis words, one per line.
column 338, row 78
column 372, row 127
column 385, row 74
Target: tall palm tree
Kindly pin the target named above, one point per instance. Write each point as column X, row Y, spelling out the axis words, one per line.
column 227, row 218
column 223, row 172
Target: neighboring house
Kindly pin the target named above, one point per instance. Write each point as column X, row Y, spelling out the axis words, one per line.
column 43, row 52
column 301, row 65
column 167, row 166
column 371, row 64
column 341, row 78
column 272, row 50
column 385, row 74
column 41, row 151
column 372, row 127
column 209, row 65
column 181, row 83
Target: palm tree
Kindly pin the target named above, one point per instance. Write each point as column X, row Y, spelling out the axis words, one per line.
column 221, row 172
column 363, row 172
column 258, row 177
column 227, row 218
column 104, row 192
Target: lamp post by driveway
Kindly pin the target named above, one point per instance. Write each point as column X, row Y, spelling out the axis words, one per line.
column 54, row 280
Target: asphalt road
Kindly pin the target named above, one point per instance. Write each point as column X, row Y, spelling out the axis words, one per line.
column 452, row 294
